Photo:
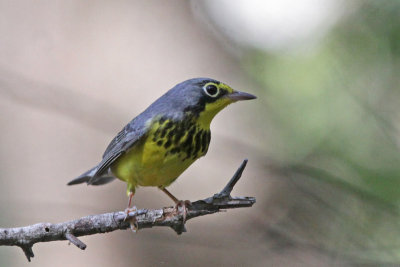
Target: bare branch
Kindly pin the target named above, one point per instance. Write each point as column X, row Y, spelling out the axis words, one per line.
column 26, row 237
column 229, row 187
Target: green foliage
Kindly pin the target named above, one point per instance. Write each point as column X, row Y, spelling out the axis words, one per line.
column 336, row 110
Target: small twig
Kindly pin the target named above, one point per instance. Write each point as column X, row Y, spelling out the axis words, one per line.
column 229, row 187
column 26, row 237
column 28, row 251
column 74, row 240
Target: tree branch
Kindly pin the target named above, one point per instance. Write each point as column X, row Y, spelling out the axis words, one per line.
column 26, row 237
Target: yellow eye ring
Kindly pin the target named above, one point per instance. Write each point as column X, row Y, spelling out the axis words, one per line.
column 211, row 90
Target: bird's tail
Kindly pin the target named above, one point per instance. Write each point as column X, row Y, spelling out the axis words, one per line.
column 89, row 178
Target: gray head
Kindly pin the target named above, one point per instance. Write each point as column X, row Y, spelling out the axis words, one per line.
column 195, row 96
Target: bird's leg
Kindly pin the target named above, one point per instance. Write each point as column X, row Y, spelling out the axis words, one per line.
column 129, row 209
column 133, row 221
column 179, row 203
column 130, row 199
column 170, row 195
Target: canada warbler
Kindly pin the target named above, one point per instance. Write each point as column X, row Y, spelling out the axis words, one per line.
column 159, row 144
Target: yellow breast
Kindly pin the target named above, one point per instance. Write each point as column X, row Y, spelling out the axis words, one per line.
column 167, row 150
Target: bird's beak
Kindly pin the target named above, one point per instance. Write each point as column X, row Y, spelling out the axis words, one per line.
column 238, row 96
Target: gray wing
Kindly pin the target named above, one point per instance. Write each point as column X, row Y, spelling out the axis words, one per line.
column 125, row 139
column 137, row 129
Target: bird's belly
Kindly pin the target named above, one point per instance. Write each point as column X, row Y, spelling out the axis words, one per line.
column 160, row 168
column 149, row 164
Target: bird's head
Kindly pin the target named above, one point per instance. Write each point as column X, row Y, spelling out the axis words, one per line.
column 205, row 97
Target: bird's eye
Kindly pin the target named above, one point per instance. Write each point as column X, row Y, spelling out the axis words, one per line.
column 211, row 90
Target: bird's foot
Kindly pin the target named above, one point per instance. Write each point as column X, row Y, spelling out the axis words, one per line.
column 182, row 207
column 132, row 221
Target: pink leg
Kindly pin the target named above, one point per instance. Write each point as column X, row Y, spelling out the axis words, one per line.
column 133, row 221
column 130, row 199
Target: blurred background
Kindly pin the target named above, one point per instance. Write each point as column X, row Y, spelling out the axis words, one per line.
column 322, row 138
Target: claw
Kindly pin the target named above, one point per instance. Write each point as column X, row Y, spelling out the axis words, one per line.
column 134, row 224
column 184, row 204
column 179, row 203
column 132, row 221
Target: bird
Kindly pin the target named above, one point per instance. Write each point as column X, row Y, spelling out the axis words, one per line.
column 158, row 145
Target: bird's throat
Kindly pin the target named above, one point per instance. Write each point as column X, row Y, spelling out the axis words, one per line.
column 209, row 112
